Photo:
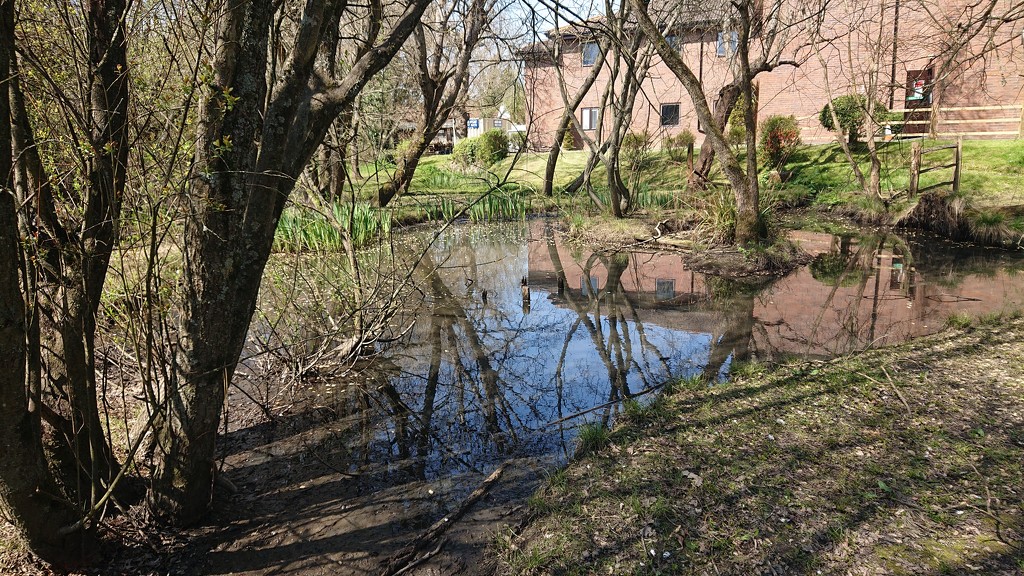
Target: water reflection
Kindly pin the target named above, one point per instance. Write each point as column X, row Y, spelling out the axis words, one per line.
column 515, row 337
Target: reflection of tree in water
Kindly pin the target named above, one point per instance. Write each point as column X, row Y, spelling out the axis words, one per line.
column 734, row 301
column 614, row 347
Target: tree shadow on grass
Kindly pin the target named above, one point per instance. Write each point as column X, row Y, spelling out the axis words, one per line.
column 831, row 468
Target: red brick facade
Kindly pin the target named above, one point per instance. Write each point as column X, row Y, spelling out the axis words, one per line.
column 979, row 99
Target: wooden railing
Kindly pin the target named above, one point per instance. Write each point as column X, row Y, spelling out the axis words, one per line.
column 935, row 130
column 917, row 167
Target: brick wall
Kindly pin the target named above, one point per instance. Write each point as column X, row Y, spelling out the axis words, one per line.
column 861, row 50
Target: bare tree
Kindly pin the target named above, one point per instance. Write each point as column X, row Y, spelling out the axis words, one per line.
column 763, row 34
column 442, row 49
column 255, row 138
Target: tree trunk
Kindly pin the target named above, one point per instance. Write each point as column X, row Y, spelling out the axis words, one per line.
column 567, row 119
column 248, row 158
column 726, row 101
column 440, row 90
column 28, row 495
column 78, row 261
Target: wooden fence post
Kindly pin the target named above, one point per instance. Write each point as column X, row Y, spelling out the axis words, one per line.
column 958, row 160
column 915, row 167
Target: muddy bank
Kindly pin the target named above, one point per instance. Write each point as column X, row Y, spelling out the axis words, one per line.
column 904, row 460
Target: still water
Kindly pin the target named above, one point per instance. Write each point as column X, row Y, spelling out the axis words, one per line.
column 506, row 338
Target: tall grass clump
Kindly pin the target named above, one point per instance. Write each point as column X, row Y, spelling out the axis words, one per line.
column 508, row 203
column 303, row 229
column 593, row 436
column 645, row 199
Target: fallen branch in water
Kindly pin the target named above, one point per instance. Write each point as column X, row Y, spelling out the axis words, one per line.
column 411, row 555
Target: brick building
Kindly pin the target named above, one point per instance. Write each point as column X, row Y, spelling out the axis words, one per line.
column 899, row 50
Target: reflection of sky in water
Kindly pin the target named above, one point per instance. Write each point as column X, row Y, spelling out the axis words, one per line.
column 552, row 361
column 546, row 360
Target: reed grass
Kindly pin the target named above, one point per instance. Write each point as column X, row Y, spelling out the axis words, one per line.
column 303, row 229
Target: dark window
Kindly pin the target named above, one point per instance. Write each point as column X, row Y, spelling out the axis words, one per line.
column 727, row 43
column 673, row 41
column 664, row 289
column 669, row 114
column 590, row 53
column 589, row 118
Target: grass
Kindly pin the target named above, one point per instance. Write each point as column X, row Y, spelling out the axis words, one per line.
column 895, row 461
column 304, row 229
column 819, row 176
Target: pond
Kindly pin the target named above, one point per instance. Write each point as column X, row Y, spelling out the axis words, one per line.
column 506, row 339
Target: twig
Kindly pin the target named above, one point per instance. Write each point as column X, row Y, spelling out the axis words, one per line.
column 407, row 557
column 894, row 388
column 605, row 405
column 897, row 391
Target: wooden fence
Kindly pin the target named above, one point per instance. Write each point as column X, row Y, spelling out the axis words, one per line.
column 917, row 167
column 989, row 117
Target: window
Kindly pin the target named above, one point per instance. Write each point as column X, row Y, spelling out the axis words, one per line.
column 664, row 289
column 497, row 123
column 589, row 118
column 673, row 41
column 727, row 43
column 669, row 114
column 590, row 53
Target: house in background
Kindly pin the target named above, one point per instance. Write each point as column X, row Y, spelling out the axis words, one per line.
column 978, row 99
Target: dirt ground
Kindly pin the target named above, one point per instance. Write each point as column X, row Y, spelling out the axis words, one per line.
column 294, row 502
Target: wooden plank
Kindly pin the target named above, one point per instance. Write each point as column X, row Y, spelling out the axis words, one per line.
column 958, row 163
column 927, row 188
column 941, row 167
column 960, row 108
column 937, row 148
column 996, row 133
column 968, row 121
column 915, row 167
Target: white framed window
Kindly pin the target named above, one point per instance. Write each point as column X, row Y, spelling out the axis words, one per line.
column 588, row 118
column 590, row 52
column 727, row 44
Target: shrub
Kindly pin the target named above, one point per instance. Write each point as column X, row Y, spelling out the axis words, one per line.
column 736, row 130
column 677, row 145
column 403, row 148
column 493, row 147
column 465, row 151
column 635, row 149
column 569, row 141
column 780, row 136
column 517, row 141
column 851, row 111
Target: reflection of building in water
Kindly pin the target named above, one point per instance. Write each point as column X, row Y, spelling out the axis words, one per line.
column 857, row 293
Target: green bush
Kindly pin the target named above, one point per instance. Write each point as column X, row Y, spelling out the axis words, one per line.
column 569, row 141
column 493, row 147
column 736, row 129
column 517, row 140
column 466, row 151
column 403, row 148
column 676, row 146
column 780, row 137
column 851, row 111
column 635, row 149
